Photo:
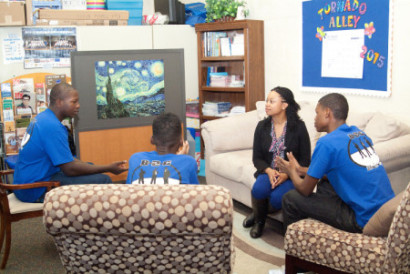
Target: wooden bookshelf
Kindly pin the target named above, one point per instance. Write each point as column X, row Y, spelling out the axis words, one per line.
column 248, row 66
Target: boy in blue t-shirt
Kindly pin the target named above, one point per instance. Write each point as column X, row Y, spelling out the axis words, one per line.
column 352, row 183
column 167, row 164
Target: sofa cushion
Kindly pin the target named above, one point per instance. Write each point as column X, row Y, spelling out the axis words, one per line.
column 233, row 132
column 382, row 127
column 379, row 223
column 359, row 119
column 236, row 166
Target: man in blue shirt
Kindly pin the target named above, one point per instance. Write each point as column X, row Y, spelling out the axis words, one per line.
column 45, row 154
column 352, row 183
column 167, row 164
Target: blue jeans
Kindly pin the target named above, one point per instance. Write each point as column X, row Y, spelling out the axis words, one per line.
column 262, row 189
column 80, row 180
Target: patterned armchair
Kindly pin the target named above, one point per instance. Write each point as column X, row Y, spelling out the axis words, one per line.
column 141, row 228
column 315, row 246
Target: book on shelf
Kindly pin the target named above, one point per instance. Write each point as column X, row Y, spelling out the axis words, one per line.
column 212, row 43
column 225, row 46
column 217, row 43
column 237, row 46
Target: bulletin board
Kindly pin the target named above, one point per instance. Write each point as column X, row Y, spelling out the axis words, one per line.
column 347, row 46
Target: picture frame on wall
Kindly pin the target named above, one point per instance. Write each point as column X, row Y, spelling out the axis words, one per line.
column 132, row 81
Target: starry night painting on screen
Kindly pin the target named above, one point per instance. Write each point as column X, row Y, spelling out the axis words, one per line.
column 129, row 88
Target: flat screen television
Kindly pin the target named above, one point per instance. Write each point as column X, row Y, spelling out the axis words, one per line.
column 127, row 88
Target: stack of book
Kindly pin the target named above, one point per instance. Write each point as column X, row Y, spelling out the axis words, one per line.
column 218, row 79
column 216, row 108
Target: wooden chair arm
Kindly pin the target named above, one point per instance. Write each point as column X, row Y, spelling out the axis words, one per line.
column 48, row 184
column 6, row 172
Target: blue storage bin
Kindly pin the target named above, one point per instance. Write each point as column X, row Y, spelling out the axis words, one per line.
column 134, row 21
column 124, row 4
column 134, row 7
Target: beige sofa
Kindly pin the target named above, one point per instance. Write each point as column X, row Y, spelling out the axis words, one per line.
column 228, row 147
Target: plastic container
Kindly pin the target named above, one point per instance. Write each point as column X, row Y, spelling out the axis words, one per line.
column 134, row 7
column 96, row 5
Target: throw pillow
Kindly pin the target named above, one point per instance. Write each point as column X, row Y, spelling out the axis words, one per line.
column 379, row 224
column 260, row 108
column 382, row 128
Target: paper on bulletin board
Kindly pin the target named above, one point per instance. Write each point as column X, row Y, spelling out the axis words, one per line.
column 341, row 54
column 48, row 47
column 13, row 51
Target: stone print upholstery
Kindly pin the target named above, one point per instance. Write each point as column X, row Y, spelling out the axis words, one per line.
column 322, row 244
column 141, row 228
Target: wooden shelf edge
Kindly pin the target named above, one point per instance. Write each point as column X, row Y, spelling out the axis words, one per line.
column 204, row 117
column 223, row 89
column 222, row 58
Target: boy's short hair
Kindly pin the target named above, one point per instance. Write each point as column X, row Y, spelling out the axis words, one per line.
column 337, row 104
column 59, row 91
column 166, row 129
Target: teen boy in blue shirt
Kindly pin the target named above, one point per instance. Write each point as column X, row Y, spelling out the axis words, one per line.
column 167, row 164
column 352, row 183
column 45, row 154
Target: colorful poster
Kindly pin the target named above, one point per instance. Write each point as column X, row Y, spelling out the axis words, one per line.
column 48, row 47
column 347, row 46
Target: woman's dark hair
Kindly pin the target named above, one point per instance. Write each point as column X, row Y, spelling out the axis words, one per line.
column 293, row 107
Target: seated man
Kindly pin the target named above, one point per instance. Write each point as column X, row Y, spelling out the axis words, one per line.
column 45, row 153
column 353, row 183
column 165, row 165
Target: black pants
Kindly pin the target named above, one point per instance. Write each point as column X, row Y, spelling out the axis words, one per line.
column 324, row 205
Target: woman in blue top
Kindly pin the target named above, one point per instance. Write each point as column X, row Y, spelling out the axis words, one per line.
column 281, row 132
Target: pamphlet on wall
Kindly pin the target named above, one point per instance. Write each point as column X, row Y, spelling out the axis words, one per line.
column 5, row 90
column 11, row 142
column 40, row 97
column 8, row 114
column 51, row 81
column 9, row 126
column 24, row 96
